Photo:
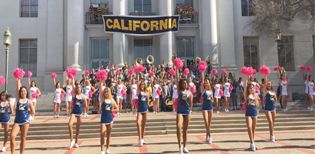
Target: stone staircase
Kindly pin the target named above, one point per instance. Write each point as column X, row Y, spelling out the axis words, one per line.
column 297, row 118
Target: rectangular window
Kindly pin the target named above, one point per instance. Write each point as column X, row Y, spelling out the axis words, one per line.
column 142, row 7
column 185, row 47
column 101, row 3
column 29, row 8
column 186, row 12
column 99, row 52
column 143, row 48
column 286, row 53
column 251, row 51
column 28, row 55
column 248, row 8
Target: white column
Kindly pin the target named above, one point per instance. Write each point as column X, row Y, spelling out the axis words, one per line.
column 74, row 33
column 208, row 29
column 120, row 44
column 167, row 40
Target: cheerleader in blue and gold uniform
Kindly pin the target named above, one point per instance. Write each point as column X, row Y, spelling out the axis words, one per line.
column 207, row 106
column 5, row 110
column 270, row 107
column 184, row 110
column 142, row 110
column 252, row 105
column 107, row 106
column 23, row 114
column 77, row 107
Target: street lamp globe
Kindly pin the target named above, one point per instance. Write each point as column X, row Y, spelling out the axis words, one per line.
column 7, row 38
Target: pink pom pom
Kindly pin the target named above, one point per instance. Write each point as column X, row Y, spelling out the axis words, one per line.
column 18, row 73
column 131, row 71
column 151, row 74
column 264, row 70
column 114, row 114
column 250, row 71
column 86, row 72
column 192, row 89
column 214, row 72
column 91, row 93
column 29, row 74
column 71, row 72
column 53, row 75
column 123, row 92
column 244, row 70
column 2, row 81
column 101, row 75
column 34, row 95
column 118, row 72
column 139, row 68
column 244, row 107
column 263, row 102
column 159, row 92
column 178, row 63
column 314, row 87
column 62, row 95
column 202, row 66
column 309, row 68
column 277, row 68
column 230, row 88
column 221, row 92
column 186, row 71
column 224, row 72
column 302, row 68
column 172, row 72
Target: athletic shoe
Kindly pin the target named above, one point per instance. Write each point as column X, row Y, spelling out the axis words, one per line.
column 273, row 139
column 72, row 143
column 186, row 150
column 141, row 142
column 103, row 152
column 209, row 140
column 308, row 108
column 181, row 150
column 107, row 152
column 253, row 147
column 4, row 149
column 76, row 145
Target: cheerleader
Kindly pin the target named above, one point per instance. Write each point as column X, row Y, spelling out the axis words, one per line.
column 310, row 93
column 270, row 106
column 68, row 97
column 134, row 97
column 57, row 98
column 184, row 110
column 6, row 109
column 87, row 89
column 207, row 106
column 24, row 111
column 156, row 96
column 77, row 108
column 119, row 97
column 143, row 97
column 284, row 92
column 217, row 94
column 252, row 105
column 106, row 107
column 306, row 95
column 34, row 91
column 227, row 94
column 174, row 97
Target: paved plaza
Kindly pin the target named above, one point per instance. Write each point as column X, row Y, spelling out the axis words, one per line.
column 288, row 142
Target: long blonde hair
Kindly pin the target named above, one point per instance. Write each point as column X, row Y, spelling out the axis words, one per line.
column 109, row 93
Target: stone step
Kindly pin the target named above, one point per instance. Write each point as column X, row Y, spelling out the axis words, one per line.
column 95, row 134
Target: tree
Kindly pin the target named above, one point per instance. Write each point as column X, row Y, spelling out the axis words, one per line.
column 272, row 15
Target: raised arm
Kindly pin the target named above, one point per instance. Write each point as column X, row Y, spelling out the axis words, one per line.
column 265, row 84
column 245, row 89
column 18, row 86
column 177, row 77
column 29, row 81
column 202, row 81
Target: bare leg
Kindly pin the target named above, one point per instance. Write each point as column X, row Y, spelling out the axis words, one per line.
column 179, row 123
column 24, row 130
column 209, row 121
column 70, row 125
column 143, row 122
column 108, row 134
column 205, row 118
column 139, row 120
column 15, row 130
column 249, row 129
column 102, row 133
column 254, row 127
column 6, row 133
column 79, row 118
column 185, row 127
column 270, row 122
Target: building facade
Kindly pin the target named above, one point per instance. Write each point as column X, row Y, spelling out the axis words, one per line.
column 47, row 35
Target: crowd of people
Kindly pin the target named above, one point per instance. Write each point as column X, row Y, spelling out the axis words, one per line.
column 110, row 91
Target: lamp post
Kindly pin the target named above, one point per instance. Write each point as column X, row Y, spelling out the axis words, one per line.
column 7, row 43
